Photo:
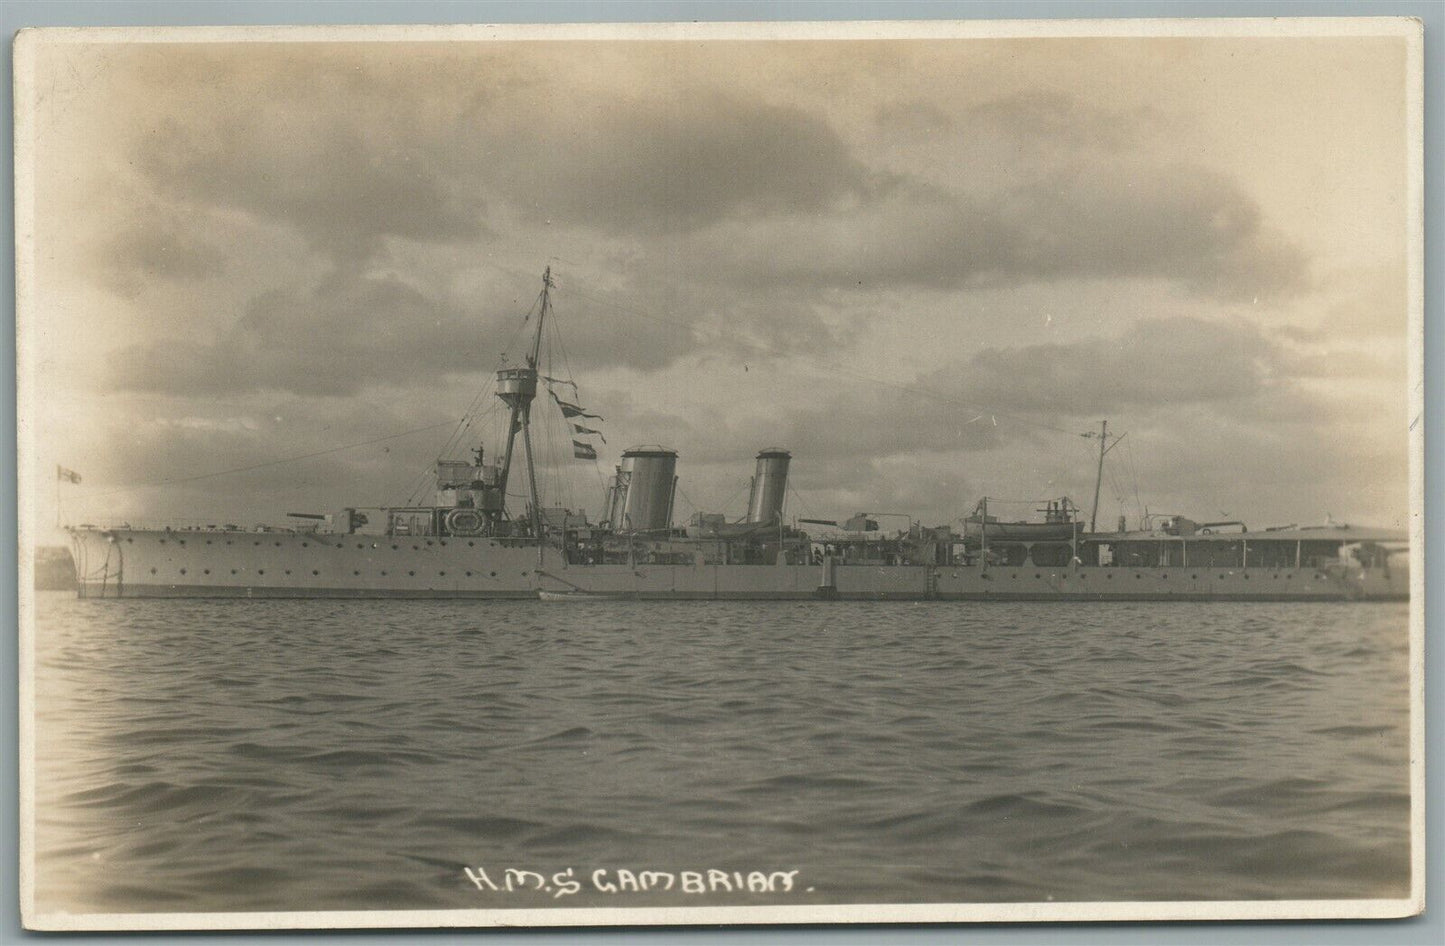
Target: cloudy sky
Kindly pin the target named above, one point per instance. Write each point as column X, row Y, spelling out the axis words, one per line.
column 924, row 266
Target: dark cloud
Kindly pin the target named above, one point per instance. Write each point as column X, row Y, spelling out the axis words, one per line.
column 674, row 166
column 254, row 459
column 1043, row 118
column 650, row 326
column 131, row 258
column 352, row 331
column 1219, row 399
column 1155, row 362
column 744, row 189
column 347, row 158
column 1023, row 393
column 349, row 333
column 1183, row 224
column 343, row 190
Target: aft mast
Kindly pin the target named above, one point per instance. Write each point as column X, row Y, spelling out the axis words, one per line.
column 517, row 387
column 1104, row 448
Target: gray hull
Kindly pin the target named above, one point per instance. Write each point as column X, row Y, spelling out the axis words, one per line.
column 144, row 563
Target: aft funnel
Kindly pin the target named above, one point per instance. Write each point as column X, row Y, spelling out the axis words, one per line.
column 770, row 484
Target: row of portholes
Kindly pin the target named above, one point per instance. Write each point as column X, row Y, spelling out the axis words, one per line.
column 262, row 571
column 1110, row 576
column 360, row 545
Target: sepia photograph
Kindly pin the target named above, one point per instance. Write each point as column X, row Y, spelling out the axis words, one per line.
column 720, row 473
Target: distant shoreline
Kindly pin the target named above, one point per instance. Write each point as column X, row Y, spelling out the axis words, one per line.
column 54, row 569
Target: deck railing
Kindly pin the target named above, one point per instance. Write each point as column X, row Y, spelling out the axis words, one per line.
column 184, row 525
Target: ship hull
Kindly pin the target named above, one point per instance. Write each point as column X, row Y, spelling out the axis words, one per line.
column 216, row 564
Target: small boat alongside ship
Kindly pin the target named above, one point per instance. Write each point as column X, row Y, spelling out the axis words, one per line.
column 468, row 544
column 574, row 596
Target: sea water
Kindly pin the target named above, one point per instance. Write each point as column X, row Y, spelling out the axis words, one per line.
column 303, row 755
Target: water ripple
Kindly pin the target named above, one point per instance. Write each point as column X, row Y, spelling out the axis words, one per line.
column 212, row 755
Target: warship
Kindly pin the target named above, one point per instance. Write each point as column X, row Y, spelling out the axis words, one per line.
column 468, row 543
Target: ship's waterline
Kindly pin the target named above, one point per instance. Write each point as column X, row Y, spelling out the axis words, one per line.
column 468, row 544
column 140, row 563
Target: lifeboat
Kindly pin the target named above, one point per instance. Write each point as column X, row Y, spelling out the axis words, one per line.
column 973, row 528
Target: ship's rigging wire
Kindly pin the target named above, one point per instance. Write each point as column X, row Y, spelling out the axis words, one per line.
column 1119, row 494
column 688, row 499
column 471, row 418
column 1133, row 471
column 551, row 461
column 736, row 493
column 469, row 421
column 555, row 341
column 802, row 506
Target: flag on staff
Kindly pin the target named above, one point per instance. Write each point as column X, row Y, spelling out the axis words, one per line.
column 560, row 381
column 69, row 476
column 588, row 430
column 583, row 451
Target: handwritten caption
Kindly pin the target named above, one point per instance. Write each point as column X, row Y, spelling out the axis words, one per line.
column 565, row 883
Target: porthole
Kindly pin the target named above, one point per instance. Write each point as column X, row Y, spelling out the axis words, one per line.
column 129, row 539
column 1246, row 576
column 182, row 541
column 1137, row 575
column 413, row 574
column 1287, row 577
column 206, row 571
column 395, row 547
column 358, row 545
column 257, row 542
column 470, row 544
column 303, row 544
column 1194, row 577
column 233, row 571
column 260, row 571
column 1165, row 575
column 1083, row 575
column 288, row 571
column 208, row 541
column 416, row 548
column 383, row 571
column 163, row 541
column 1109, row 575
column 228, row 541
column 442, row 574
column 315, row 572
column 1223, row 576
column 356, row 573
column 443, row 542
column 494, row 574
column 469, row 574
column 153, row 571
column 1036, row 575
column 1016, row 574
column 428, row 541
